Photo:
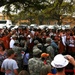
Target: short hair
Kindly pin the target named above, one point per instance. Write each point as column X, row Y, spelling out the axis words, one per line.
column 23, row 72
column 59, row 69
column 45, row 69
column 48, row 40
column 10, row 52
column 2, row 45
column 36, row 42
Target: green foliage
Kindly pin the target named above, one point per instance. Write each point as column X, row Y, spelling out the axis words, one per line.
column 37, row 8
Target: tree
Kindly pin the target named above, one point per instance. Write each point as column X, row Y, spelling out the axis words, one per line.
column 50, row 9
column 56, row 10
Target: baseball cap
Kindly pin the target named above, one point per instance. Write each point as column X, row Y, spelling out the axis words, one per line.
column 44, row 55
column 36, row 51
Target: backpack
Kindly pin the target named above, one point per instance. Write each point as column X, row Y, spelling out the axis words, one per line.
column 44, row 49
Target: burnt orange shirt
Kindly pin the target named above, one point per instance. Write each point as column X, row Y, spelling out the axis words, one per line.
column 6, row 41
column 50, row 74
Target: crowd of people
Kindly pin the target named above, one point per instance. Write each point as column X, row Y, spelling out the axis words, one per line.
column 35, row 51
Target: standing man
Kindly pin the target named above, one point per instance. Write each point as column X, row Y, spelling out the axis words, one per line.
column 60, row 62
column 9, row 65
column 35, row 63
column 48, row 47
column 12, row 41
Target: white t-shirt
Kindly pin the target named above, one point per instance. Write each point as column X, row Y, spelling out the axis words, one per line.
column 12, row 43
column 64, row 40
column 9, row 64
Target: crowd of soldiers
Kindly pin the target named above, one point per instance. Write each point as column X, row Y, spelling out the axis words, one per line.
column 29, row 44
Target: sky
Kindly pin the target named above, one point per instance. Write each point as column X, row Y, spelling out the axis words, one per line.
column 1, row 8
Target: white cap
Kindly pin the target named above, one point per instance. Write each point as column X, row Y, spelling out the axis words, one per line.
column 28, row 36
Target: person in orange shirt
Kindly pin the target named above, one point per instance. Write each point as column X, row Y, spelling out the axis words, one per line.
column 6, row 39
column 60, row 62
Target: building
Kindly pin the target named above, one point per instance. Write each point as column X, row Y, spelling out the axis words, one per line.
column 3, row 17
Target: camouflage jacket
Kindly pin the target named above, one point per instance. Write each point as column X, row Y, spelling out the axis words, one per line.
column 35, row 65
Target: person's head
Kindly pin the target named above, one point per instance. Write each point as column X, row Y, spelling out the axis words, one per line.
column 44, row 56
column 2, row 47
column 36, row 42
column 59, row 62
column 14, row 36
column 40, row 46
column 23, row 72
column 45, row 70
column 10, row 53
column 37, row 52
column 48, row 40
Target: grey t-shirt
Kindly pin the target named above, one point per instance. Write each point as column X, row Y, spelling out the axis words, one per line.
column 9, row 65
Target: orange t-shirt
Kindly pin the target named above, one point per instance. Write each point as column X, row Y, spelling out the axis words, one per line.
column 50, row 74
column 6, row 41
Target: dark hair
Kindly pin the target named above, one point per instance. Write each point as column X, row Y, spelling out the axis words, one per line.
column 10, row 52
column 71, row 34
column 59, row 69
column 42, row 58
column 2, row 45
column 16, row 44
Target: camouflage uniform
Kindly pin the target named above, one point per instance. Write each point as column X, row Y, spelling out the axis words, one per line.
column 50, row 50
column 35, row 65
column 18, row 51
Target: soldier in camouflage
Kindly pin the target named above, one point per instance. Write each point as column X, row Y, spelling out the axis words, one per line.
column 35, row 64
